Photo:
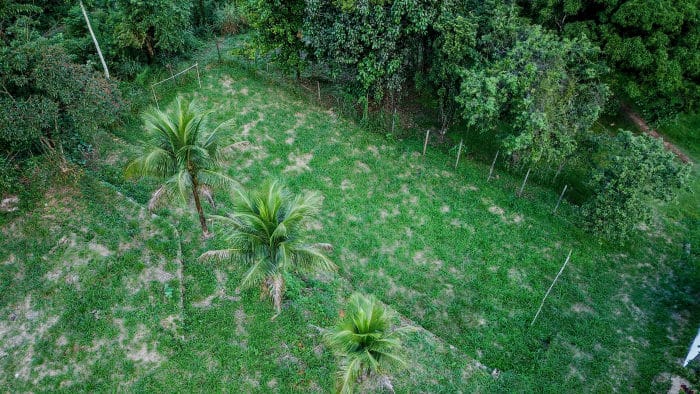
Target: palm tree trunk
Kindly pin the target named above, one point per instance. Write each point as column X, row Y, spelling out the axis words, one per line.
column 198, row 204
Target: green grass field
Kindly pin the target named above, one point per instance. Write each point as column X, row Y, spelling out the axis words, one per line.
column 90, row 292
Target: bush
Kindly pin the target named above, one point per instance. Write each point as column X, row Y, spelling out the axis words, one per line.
column 8, row 175
column 230, row 20
column 636, row 171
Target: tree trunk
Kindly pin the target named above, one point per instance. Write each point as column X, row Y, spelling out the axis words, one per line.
column 198, row 204
column 148, row 44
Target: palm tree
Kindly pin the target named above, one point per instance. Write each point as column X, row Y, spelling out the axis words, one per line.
column 266, row 234
column 365, row 343
column 183, row 153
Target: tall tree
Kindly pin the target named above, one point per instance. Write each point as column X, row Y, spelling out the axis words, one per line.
column 153, row 26
column 371, row 46
column 265, row 233
column 278, row 26
column 653, row 46
column 182, row 151
column 538, row 92
column 45, row 94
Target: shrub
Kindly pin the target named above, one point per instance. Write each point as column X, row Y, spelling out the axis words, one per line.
column 636, row 171
column 230, row 20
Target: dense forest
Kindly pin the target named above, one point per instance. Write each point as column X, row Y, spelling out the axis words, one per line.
column 565, row 93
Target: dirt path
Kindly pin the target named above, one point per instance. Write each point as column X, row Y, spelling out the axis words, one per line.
column 644, row 127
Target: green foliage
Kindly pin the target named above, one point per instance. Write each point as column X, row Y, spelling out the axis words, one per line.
column 547, row 90
column 653, row 46
column 278, row 26
column 265, row 232
column 636, row 171
column 46, row 95
column 230, row 19
column 153, row 26
column 181, row 151
column 11, row 10
column 365, row 343
column 371, row 46
column 454, row 48
column 8, row 175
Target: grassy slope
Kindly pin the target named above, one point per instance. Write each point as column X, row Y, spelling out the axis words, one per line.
column 462, row 258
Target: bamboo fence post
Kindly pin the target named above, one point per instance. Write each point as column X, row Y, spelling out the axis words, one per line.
column 559, row 201
column 550, row 287
column 218, row 49
column 198, row 79
column 459, row 153
column 493, row 163
column 154, row 96
column 522, row 187
column 393, row 121
column 561, row 166
column 425, row 144
column 318, row 88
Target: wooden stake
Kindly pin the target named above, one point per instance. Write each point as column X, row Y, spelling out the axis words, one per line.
column 550, row 287
column 218, row 50
column 318, row 88
column 492, row 165
column 425, row 144
column 558, row 171
column 522, row 187
column 198, row 79
column 560, row 197
column 94, row 39
column 154, row 96
column 393, row 121
column 459, row 152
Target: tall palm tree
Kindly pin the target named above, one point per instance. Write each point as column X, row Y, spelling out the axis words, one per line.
column 182, row 152
column 365, row 343
column 265, row 232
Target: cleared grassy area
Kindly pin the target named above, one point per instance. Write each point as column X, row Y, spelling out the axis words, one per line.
column 462, row 258
column 685, row 133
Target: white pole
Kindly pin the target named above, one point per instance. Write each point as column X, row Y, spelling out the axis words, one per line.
column 520, row 193
column 154, row 96
column 198, row 79
column 425, row 144
column 94, row 39
column 560, row 197
column 459, row 152
column 493, row 163
column 550, row 287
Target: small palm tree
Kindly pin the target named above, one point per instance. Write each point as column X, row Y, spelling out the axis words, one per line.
column 365, row 343
column 266, row 234
column 182, row 152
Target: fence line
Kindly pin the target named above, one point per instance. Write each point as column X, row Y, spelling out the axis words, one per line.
column 153, row 90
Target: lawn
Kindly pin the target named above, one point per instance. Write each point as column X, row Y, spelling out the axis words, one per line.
column 91, row 281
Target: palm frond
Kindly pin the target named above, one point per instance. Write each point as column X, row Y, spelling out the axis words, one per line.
column 218, row 179
column 255, row 274
column 156, row 197
column 208, row 195
column 219, row 255
column 310, row 259
column 348, row 375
